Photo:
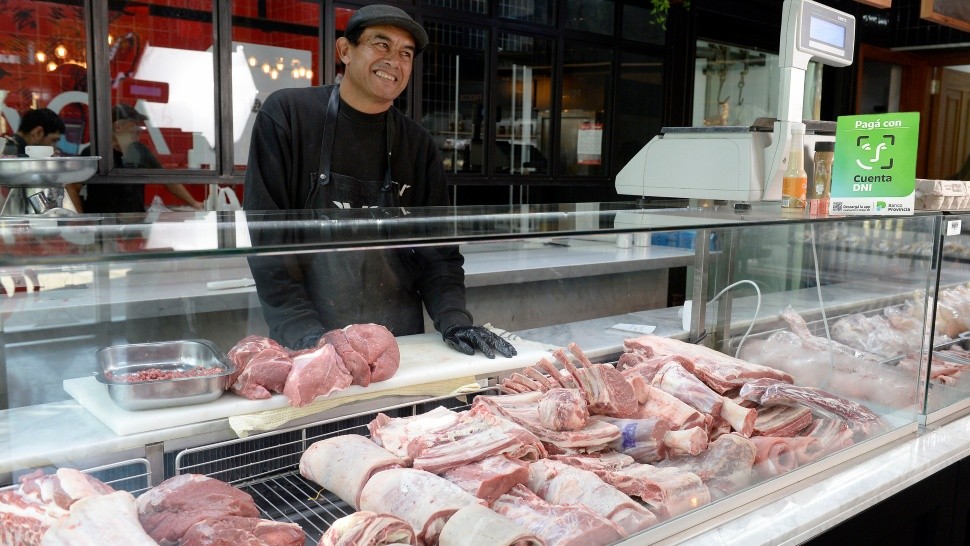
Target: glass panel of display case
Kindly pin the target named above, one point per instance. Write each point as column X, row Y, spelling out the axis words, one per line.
column 948, row 390
column 44, row 57
column 586, row 85
column 275, row 46
column 769, row 376
column 455, row 95
column 524, row 97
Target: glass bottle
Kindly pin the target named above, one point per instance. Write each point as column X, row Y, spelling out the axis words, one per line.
column 821, row 188
column 795, row 182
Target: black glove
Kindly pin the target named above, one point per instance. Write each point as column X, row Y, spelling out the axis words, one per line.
column 308, row 341
column 465, row 339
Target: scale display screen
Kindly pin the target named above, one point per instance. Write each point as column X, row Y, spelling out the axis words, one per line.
column 826, row 34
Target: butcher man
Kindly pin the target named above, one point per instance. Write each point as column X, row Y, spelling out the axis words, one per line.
column 345, row 146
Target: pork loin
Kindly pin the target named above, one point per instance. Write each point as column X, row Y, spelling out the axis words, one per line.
column 367, row 528
column 476, row 525
column 343, row 464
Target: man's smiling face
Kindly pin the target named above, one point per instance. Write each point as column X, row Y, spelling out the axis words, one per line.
column 377, row 68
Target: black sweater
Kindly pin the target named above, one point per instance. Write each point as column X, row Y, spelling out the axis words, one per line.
column 307, row 294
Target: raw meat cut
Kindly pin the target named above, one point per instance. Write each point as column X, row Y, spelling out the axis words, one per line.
column 563, row 409
column 860, row 419
column 167, row 510
column 668, row 491
column 567, row 525
column 420, row 498
column 368, row 529
column 343, row 464
column 642, row 439
column 27, row 511
column 316, row 373
column 240, row 531
column 719, row 371
column 806, row 448
column 610, row 394
column 476, row 525
column 595, row 436
column 244, row 350
column 691, row 441
column 397, row 434
column 659, row 403
column 99, row 520
column 832, row 434
column 675, row 380
column 782, row 420
column 725, row 467
column 800, row 328
column 477, row 434
column 353, row 361
column 774, row 456
column 264, row 374
column 489, row 478
column 559, row 483
column 378, row 347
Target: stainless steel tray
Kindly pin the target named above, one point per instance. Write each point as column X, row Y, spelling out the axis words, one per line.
column 166, row 356
column 51, row 171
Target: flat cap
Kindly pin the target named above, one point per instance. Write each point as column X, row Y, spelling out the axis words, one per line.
column 382, row 14
column 127, row 111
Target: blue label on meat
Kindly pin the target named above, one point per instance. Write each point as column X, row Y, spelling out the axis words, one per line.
column 629, row 435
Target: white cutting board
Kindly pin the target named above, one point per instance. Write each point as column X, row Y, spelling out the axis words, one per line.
column 425, row 358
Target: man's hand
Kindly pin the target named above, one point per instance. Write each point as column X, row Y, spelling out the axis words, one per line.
column 308, row 341
column 466, row 339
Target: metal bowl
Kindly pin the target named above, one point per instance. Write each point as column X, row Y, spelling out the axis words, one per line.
column 166, row 356
column 46, row 172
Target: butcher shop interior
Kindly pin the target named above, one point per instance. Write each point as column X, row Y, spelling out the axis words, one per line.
column 612, row 320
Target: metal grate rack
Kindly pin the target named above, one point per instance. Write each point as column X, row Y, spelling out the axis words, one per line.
column 267, row 465
column 133, row 476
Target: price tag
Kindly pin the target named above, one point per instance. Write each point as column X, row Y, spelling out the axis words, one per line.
column 953, row 227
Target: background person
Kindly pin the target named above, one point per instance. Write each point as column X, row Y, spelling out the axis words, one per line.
column 127, row 125
column 346, row 147
column 40, row 127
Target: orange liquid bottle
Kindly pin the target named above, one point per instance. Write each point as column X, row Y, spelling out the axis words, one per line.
column 794, row 185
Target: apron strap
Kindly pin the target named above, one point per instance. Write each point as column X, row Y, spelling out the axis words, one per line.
column 329, row 131
column 389, row 133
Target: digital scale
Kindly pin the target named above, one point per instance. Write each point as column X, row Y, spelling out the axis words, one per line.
column 738, row 163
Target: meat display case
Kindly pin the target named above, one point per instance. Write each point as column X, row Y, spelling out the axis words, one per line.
column 543, row 276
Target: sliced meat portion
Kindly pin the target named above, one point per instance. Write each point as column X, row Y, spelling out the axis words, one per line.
column 236, row 530
column 573, row 525
column 675, row 380
column 243, row 351
column 316, row 373
column 725, row 467
column 782, row 420
column 611, row 394
column 719, row 371
column 489, row 478
column 264, row 374
column 595, row 436
column 477, row 525
column 99, row 520
column 343, row 464
column 28, row 511
column 832, row 434
column 860, row 419
column 477, row 434
column 774, row 456
column 668, row 491
column 563, row 409
column 354, row 362
column 661, row 404
column 642, row 439
column 805, row 448
column 559, row 483
column 397, row 434
column 378, row 347
column 167, row 510
column 420, row 498
column 367, row 528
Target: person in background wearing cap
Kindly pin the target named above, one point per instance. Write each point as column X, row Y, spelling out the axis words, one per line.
column 129, row 152
column 345, row 146
column 39, row 127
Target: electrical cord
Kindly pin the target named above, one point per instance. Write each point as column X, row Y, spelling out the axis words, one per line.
column 821, row 304
column 757, row 310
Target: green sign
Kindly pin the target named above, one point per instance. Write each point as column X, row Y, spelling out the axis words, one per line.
column 875, row 164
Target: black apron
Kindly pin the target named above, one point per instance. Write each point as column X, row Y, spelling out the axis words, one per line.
column 368, row 285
